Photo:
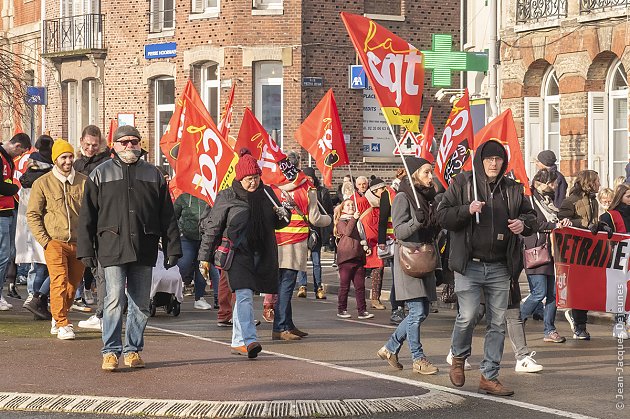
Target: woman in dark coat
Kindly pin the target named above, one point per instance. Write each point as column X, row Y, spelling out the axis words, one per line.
column 244, row 215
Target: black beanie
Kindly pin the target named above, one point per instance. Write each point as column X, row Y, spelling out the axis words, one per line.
column 44, row 145
column 493, row 149
column 414, row 163
column 309, row 171
column 376, row 183
column 547, row 158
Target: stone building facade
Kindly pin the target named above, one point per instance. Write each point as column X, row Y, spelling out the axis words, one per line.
column 266, row 48
column 564, row 73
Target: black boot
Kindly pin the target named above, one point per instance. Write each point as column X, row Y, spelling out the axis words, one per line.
column 43, row 299
column 13, row 292
column 35, row 307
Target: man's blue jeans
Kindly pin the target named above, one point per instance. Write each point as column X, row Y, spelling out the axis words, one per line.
column 541, row 286
column 138, row 280
column 317, row 271
column 492, row 279
column 409, row 329
column 7, row 245
column 188, row 265
column 38, row 280
column 283, row 319
column 244, row 329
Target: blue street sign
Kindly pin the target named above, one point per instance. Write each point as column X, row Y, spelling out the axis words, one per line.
column 36, row 95
column 166, row 50
column 357, row 79
column 376, row 147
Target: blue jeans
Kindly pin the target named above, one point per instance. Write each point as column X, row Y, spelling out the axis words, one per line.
column 283, row 319
column 37, row 279
column 409, row 329
column 7, row 245
column 244, row 329
column 188, row 264
column 493, row 279
column 317, row 271
column 138, row 280
column 541, row 286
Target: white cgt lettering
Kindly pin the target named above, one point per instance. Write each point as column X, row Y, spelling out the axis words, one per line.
column 447, row 137
column 393, row 80
column 209, row 186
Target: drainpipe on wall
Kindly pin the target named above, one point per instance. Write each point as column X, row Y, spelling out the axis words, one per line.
column 43, row 67
column 492, row 61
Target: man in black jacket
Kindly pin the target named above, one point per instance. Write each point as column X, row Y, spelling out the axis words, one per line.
column 484, row 255
column 126, row 210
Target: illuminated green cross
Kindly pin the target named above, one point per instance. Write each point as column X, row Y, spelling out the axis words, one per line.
column 442, row 60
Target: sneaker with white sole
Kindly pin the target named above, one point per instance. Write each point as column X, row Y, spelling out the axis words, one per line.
column 79, row 305
column 365, row 315
column 5, row 305
column 202, row 304
column 569, row 317
column 93, row 323
column 619, row 331
column 66, row 333
column 449, row 361
column 528, row 364
column 88, row 296
column 28, row 300
column 53, row 327
column 344, row 314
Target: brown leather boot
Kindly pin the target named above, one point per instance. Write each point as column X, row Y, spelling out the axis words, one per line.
column 493, row 387
column 456, row 374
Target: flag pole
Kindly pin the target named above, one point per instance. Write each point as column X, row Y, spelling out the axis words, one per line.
column 354, row 193
column 274, row 203
column 415, row 194
column 474, row 176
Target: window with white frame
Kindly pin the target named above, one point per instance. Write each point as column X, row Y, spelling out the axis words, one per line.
column 268, row 97
column 162, row 15
column 617, row 121
column 551, row 111
column 205, row 6
column 164, row 105
column 210, row 89
column 90, row 99
column 267, row 4
column 72, row 114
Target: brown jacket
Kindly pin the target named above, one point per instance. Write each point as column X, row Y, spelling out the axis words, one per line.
column 349, row 246
column 53, row 208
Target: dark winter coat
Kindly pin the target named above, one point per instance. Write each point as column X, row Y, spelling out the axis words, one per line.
column 38, row 166
column 126, row 210
column 454, row 216
column 561, row 189
column 229, row 218
column 624, row 210
column 85, row 165
column 543, row 228
column 188, row 211
column 579, row 207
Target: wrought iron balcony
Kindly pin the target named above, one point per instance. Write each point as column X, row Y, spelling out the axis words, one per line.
column 528, row 11
column 594, row 6
column 74, row 34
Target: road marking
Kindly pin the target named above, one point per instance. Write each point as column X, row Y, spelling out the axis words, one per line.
column 372, row 374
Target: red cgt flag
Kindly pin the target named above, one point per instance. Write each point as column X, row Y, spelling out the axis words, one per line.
column 457, row 141
column 275, row 166
column 394, row 67
column 225, row 122
column 204, row 159
column 321, row 135
column 503, row 130
column 425, row 139
column 113, row 126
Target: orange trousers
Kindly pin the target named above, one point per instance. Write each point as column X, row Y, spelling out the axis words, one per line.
column 66, row 272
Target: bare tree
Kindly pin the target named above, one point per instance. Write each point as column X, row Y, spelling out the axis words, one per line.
column 13, row 82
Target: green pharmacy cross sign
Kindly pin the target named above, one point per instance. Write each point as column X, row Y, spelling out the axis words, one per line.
column 442, row 60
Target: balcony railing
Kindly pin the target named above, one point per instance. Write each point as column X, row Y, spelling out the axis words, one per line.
column 74, row 33
column 161, row 20
column 594, row 6
column 533, row 10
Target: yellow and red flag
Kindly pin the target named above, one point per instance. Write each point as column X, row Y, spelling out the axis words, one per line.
column 394, row 67
column 503, row 130
column 321, row 135
column 276, row 168
column 425, row 139
column 457, row 142
column 225, row 122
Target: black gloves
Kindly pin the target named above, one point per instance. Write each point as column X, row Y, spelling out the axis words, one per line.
column 170, row 262
column 89, row 262
column 601, row 226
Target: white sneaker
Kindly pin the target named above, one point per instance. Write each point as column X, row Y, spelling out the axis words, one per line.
column 528, row 364
column 202, row 304
column 88, row 296
column 569, row 317
column 53, row 327
column 365, row 315
column 620, row 331
column 93, row 323
column 66, row 333
column 344, row 315
column 4, row 303
column 449, row 361
column 28, row 300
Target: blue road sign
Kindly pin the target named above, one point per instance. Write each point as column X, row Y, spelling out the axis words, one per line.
column 165, row 50
column 357, row 79
column 36, row 95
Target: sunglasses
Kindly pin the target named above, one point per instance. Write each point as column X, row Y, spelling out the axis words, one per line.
column 125, row 143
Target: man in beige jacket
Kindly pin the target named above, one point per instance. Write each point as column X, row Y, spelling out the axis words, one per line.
column 53, row 217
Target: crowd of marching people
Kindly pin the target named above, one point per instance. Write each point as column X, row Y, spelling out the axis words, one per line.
column 85, row 229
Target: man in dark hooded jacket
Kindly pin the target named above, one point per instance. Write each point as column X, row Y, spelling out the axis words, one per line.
column 484, row 255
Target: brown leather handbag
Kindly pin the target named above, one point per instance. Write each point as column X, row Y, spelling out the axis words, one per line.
column 417, row 260
column 536, row 256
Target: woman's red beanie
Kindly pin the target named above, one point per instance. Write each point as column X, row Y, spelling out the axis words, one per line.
column 247, row 165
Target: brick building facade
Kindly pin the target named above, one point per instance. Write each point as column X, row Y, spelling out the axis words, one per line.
column 564, row 68
column 264, row 47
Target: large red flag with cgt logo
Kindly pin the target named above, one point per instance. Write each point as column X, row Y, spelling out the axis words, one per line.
column 205, row 159
column 425, row 139
column 276, row 168
column 321, row 135
column 503, row 130
column 394, row 67
column 457, row 141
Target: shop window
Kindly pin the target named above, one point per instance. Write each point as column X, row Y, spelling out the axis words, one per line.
column 268, row 93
